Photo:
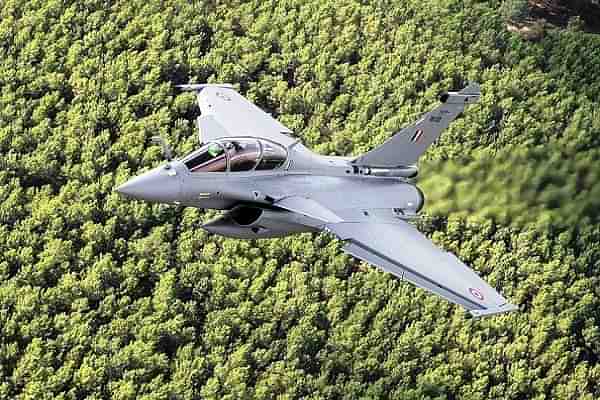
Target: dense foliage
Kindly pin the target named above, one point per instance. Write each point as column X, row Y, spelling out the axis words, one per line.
column 101, row 297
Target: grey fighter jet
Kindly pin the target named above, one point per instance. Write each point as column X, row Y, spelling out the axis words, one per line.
column 270, row 185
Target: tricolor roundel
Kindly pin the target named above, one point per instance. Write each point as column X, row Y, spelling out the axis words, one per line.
column 476, row 293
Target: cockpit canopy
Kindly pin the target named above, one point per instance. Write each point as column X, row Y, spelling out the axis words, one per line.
column 236, row 155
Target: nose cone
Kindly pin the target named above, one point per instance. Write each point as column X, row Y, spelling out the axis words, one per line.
column 161, row 185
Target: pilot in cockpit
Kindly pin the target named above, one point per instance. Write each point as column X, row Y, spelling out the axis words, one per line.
column 236, row 155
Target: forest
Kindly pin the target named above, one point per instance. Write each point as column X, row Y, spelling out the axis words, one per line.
column 107, row 298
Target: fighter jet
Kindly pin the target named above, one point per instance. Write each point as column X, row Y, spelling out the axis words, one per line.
column 267, row 184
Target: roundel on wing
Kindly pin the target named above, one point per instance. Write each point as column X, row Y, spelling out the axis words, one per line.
column 476, row 293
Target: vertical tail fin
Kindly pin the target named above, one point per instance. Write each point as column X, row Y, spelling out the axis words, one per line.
column 406, row 146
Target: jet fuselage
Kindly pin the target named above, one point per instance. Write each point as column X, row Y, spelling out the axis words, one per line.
column 249, row 195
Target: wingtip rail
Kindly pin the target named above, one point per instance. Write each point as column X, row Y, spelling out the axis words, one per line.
column 504, row 308
column 199, row 86
column 468, row 95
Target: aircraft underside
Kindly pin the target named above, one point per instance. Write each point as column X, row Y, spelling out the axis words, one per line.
column 253, row 221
